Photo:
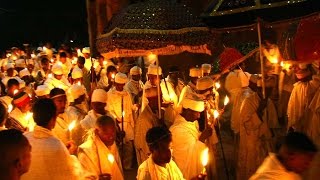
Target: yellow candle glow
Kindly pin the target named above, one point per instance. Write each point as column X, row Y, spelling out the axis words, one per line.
column 110, row 158
column 10, row 107
column 49, row 75
column 123, row 113
column 204, row 159
column 51, row 60
column 226, row 101
column 30, row 123
column 105, row 63
column 72, row 125
column 15, row 91
column 216, row 114
column 112, row 76
column 33, row 55
column 79, row 83
column 217, row 85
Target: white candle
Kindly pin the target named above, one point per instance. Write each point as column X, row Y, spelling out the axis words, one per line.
column 204, row 159
column 70, row 127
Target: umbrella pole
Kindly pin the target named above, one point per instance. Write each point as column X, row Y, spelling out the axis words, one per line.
column 261, row 59
column 158, row 89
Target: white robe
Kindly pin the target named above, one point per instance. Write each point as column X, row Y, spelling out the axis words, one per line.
column 24, row 118
column 272, row 169
column 50, row 158
column 148, row 170
column 134, row 88
column 55, row 83
column 187, row 147
column 93, row 155
column 61, row 127
column 89, row 120
column 188, row 91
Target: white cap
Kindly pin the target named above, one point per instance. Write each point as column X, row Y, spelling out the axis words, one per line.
column 42, row 90
column 193, row 104
column 39, row 49
column 206, row 68
column 152, row 69
column 99, row 95
column 22, row 84
column 86, row 50
column 9, row 66
column 195, row 72
column 57, row 69
column 76, row 73
column 204, row 83
column 20, row 63
column 120, row 78
column 135, row 70
column 24, row 72
column 76, row 91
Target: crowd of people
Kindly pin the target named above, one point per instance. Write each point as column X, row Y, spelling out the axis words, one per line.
column 65, row 115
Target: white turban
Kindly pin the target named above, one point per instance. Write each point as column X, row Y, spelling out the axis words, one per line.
column 57, row 69
column 76, row 91
column 86, row 50
column 120, row 78
column 195, row 72
column 20, row 63
column 42, row 90
column 9, row 66
column 193, row 104
column 24, row 72
column 76, row 73
column 204, row 83
column 22, row 84
column 206, row 68
column 135, row 70
column 152, row 69
column 99, row 95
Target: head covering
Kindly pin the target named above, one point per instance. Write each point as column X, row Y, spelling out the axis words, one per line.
column 195, row 72
column 135, row 70
column 42, row 90
column 22, row 84
column 193, row 104
column 21, row 99
column 99, row 95
column 152, row 69
column 303, row 65
column 31, row 61
column 9, row 66
column 86, row 50
column 206, row 68
column 76, row 91
column 120, row 78
column 204, row 83
column 20, row 63
column 57, row 69
column 76, row 73
column 24, row 72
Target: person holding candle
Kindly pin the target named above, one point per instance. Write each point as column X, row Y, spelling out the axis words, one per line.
column 65, row 63
column 44, row 71
column 187, row 141
column 101, row 67
column 120, row 107
column 12, row 88
column 106, row 82
column 86, row 74
column 77, row 78
column 100, row 143
column 50, row 159
column 159, row 165
column 15, row 154
column 58, row 80
column 88, row 60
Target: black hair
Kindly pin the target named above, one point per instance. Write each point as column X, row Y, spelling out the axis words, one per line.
column 11, row 139
column 173, row 69
column 63, row 54
column 105, row 121
column 56, row 91
column 299, row 142
column 43, row 111
column 155, row 135
column 3, row 113
column 44, row 60
column 81, row 60
column 111, row 69
column 12, row 82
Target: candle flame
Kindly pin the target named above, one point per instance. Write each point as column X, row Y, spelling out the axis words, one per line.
column 205, row 157
column 8, row 55
column 33, row 55
column 110, row 158
column 15, row 91
column 72, row 125
column 217, row 85
column 44, row 48
column 49, row 75
column 123, row 113
column 216, row 114
column 112, row 76
column 59, row 63
column 79, row 83
column 105, row 63
column 226, row 100
column 28, row 116
column 52, row 60
column 10, row 107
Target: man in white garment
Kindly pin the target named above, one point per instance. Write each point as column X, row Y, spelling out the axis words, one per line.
column 106, row 82
column 99, row 154
column 44, row 71
column 42, row 91
column 187, row 141
column 15, row 154
column 50, row 159
column 159, row 165
column 101, row 66
column 20, row 117
column 12, row 88
column 120, row 107
column 58, row 80
column 86, row 75
column 206, row 69
column 65, row 63
column 294, row 157
column 88, row 60
column 98, row 103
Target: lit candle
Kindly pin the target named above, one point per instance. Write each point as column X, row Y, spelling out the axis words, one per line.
column 33, row 55
column 52, row 60
column 112, row 76
column 49, row 75
column 204, row 160
column 217, row 85
column 216, row 114
column 10, row 107
column 226, row 101
column 30, row 123
column 70, row 127
column 105, row 63
column 8, row 55
column 111, row 160
column 79, row 83
column 15, row 91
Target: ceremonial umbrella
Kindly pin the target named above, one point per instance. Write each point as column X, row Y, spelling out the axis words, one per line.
column 161, row 27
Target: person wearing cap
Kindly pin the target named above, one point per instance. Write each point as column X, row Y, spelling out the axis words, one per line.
column 88, row 60
column 20, row 64
column 258, row 116
column 44, row 71
column 65, row 62
column 86, row 75
column 190, row 88
column 58, row 80
column 106, row 82
column 299, row 107
column 42, row 92
column 120, row 107
column 63, row 120
column 206, row 69
column 101, row 66
column 95, row 153
column 50, row 158
column 98, row 103
column 159, row 165
column 31, row 67
column 20, row 117
column 135, row 86
column 187, row 141
column 10, row 73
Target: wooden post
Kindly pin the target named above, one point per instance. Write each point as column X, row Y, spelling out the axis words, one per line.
column 261, row 60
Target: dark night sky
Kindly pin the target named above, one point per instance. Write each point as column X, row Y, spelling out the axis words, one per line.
column 35, row 21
